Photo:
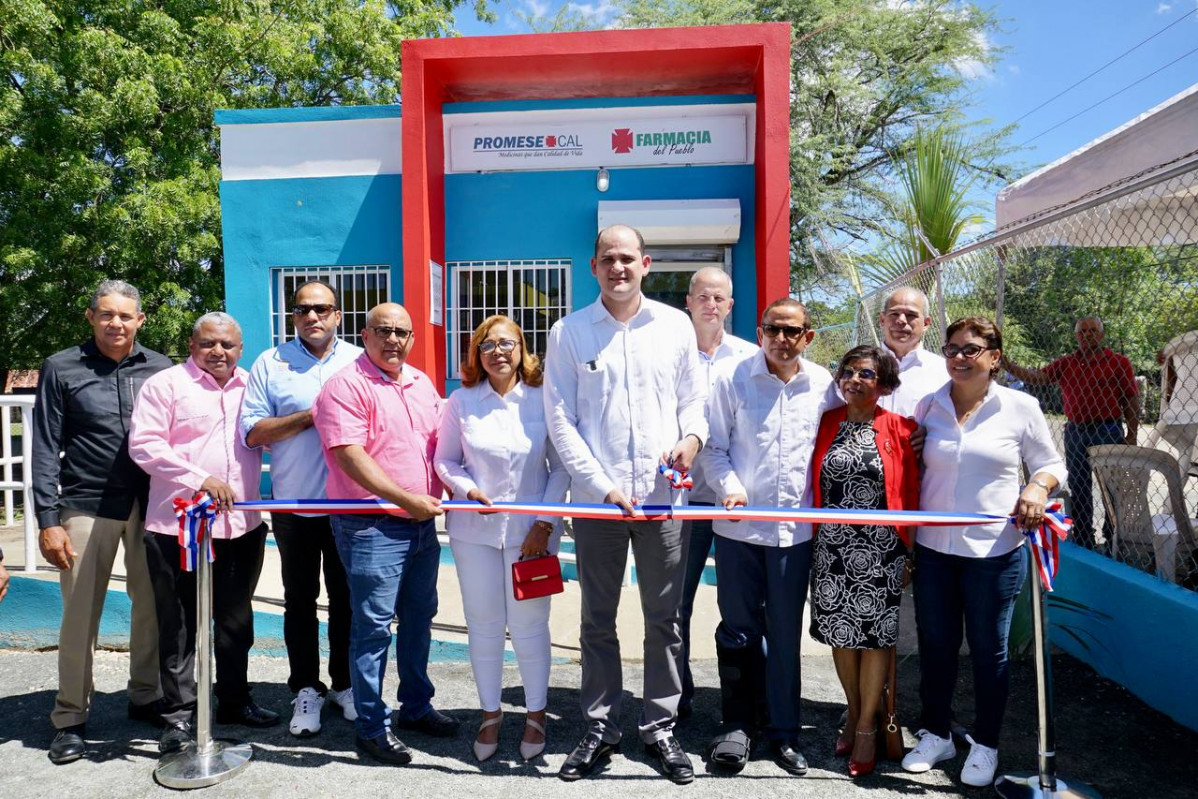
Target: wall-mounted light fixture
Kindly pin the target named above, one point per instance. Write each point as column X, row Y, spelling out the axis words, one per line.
column 602, row 179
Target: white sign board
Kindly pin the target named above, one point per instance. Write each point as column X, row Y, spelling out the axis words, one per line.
column 599, row 142
column 436, row 293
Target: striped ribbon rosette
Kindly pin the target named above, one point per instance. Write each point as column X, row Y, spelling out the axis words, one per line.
column 196, row 517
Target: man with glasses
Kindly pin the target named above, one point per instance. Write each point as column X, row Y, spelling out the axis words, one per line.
column 90, row 499
column 763, row 418
column 1098, row 387
column 905, row 320
column 709, row 301
column 277, row 413
column 624, row 394
column 377, row 421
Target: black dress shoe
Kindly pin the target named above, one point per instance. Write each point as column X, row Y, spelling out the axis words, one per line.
column 589, row 753
column 150, row 713
column 788, row 756
column 434, row 723
column 386, row 748
column 67, row 746
column 176, row 735
column 674, row 762
column 249, row 714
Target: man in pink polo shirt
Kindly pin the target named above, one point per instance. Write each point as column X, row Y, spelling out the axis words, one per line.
column 184, row 434
column 378, row 420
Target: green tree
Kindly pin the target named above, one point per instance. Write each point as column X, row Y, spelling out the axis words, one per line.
column 865, row 75
column 108, row 152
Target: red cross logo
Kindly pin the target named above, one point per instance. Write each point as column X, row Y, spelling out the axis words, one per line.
column 621, row 140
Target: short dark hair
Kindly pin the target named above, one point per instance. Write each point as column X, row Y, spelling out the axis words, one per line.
column 886, row 366
column 640, row 240
column 983, row 328
column 787, row 302
column 316, row 282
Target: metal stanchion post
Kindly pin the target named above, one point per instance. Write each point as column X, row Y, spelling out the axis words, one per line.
column 1045, row 784
column 205, row 761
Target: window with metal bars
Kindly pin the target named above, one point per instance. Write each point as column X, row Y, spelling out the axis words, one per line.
column 534, row 293
column 360, row 288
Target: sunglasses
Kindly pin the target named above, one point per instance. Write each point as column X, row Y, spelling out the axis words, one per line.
column 321, row 310
column 504, row 345
column 790, row 331
column 970, row 351
column 865, row 374
column 385, row 333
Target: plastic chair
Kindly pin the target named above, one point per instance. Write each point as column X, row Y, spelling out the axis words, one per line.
column 1125, row 475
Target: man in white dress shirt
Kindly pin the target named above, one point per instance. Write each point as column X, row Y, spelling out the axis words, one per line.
column 763, row 418
column 904, row 321
column 624, row 392
column 709, row 301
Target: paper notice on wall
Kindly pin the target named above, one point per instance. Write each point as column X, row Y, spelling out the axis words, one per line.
column 436, row 291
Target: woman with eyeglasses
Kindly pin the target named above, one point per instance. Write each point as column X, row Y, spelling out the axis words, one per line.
column 979, row 436
column 494, row 446
column 863, row 461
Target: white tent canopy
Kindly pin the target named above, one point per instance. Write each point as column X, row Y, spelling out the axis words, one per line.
column 1163, row 135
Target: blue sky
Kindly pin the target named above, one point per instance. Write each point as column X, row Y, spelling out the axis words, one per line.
column 1047, row 45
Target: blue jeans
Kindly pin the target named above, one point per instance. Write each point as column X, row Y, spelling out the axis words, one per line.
column 697, row 540
column 391, row 565
column 981, row 592
column 1077, row 462
column 761, row 591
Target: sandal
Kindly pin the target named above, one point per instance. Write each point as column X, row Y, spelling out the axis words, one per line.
column 530, row 750
column 484, row 751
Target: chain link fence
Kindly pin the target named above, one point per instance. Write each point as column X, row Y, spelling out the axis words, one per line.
column 1126, row 256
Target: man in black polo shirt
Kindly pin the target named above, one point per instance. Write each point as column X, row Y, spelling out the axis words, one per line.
column 90, row 499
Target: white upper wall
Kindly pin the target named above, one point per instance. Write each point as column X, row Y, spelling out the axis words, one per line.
column 320, row 149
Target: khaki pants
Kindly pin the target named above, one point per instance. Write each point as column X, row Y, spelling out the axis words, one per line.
column 84, row 586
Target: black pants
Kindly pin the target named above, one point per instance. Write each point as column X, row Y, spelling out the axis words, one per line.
column 305, row 541
column 234, row 577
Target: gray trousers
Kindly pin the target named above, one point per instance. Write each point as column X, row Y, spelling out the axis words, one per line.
column 602, row 550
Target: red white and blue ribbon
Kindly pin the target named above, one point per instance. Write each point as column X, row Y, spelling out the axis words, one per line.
column 196, row 517
column 640, row 513
column 677, row 478
column 1045, row 542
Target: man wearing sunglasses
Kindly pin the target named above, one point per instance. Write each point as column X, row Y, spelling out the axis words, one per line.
column 378, row 419
column 276, row 413
column 905, row 320
column 1098, row 388
column 763, row 417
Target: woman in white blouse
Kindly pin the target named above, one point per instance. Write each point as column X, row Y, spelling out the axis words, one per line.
column 979, row 434
column 494, row 446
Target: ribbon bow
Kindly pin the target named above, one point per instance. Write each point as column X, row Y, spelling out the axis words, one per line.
column 1045, row 541
column 195, row 525
column 677, row 478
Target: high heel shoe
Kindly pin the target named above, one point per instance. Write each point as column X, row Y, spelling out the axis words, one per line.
column 484, row 751
column 530, row 750
column 858, row 768
column 843, row 747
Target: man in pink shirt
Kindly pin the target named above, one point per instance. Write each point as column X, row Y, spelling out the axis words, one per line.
column 184, row 434
column 378, row 420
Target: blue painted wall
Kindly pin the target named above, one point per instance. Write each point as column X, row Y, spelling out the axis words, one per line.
column 1149, row 642
column 343, row 221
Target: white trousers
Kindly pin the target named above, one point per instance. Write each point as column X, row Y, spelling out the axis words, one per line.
column 485, row 575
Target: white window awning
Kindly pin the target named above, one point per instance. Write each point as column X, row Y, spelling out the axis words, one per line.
column 675, row 221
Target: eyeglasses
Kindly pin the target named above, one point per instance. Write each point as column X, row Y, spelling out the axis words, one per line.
column 865, row 374
column 970, row 351
column 790, row 331
column 504, row 345
column 321, row 310
column 387, row 332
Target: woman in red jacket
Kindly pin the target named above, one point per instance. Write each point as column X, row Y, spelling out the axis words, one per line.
column 863, row 460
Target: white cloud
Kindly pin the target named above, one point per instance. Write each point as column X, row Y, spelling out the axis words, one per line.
column 973, row 68
column 535, row 8
column 1013, row 69
column 1164, row 8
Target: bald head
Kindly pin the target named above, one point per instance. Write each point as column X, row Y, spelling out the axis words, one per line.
column 709, row 301
column 388, row 337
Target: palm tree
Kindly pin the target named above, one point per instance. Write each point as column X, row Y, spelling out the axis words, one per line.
column 935, row 178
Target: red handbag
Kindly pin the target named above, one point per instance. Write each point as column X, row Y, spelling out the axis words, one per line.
column 539, row 576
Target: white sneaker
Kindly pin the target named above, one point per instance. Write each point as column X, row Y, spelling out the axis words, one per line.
column 305, row 720
column 345, row 701
column 980, row 766
column 930, row 750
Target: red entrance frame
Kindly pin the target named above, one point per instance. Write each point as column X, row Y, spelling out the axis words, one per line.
column 732, row 59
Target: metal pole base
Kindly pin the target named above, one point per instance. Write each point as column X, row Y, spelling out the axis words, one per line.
column 187, row 768
column 1027, row 786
